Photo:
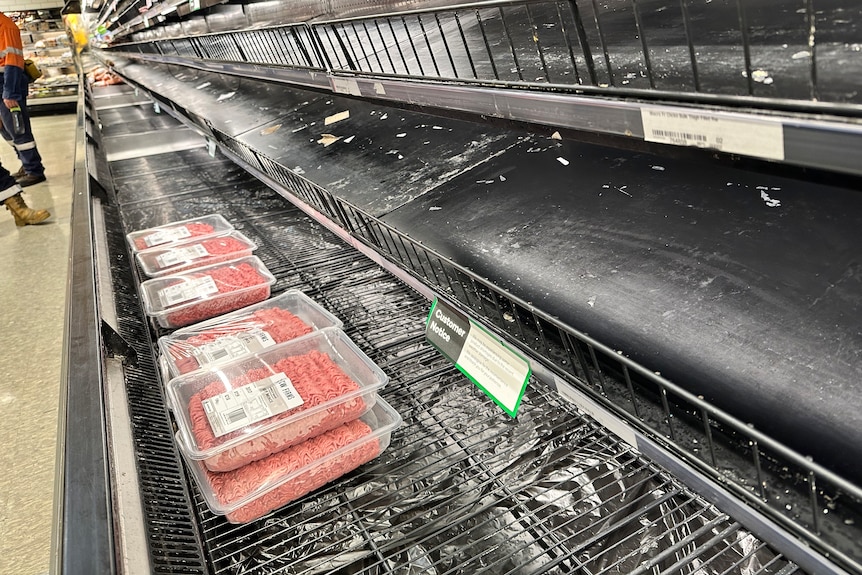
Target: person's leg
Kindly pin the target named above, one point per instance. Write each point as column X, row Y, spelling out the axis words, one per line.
column 25, row 146
column 10, row 195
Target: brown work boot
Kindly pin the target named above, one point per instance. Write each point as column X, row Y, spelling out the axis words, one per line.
column 25, row 216
column 20, row 173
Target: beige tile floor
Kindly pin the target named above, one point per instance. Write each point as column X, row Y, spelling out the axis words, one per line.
column 33, row 275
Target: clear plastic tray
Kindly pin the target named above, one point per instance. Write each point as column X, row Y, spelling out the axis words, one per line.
column 244, row 410
column 250, row 329
column 253, row 491
column 175, row 232
column 194, row 253
column 183, row 299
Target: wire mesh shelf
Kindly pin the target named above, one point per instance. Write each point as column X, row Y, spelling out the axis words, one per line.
column 791, row 489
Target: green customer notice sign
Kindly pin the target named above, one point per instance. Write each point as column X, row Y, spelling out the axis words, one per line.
column 487, row 361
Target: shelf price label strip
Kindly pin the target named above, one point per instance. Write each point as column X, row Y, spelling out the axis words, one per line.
column 500, row 372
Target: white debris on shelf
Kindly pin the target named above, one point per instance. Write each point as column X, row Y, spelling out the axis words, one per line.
column 298, row 170
column 401, row 135
column 622, row 190
column 425, row 143
column 434, row 208
column 384, row 116
column 336, row 117
column 328, row 139
column 299, row 129
column 204, row 85
column 400, row 157
column 606, row 186
column 436, row 127
column 770, row 202
column 556, row 136
column 760, row 76
column 563, row 161
column 227, row 96
column 658, row 168
column 484, row 181
column 592, row 301
column 348, row 140
column 502, row 178
column 801, row 54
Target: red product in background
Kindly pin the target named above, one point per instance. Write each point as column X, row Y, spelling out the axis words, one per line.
column 194, row 228
column 279, row 323
column 233, row 486
column 316, row 378
column 227, row 279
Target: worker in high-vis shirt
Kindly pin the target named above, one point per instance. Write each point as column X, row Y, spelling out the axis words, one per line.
column 15, row 87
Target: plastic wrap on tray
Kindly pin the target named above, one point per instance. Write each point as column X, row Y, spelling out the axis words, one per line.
column 281, row 318
column 176, row 232
column 254, row 490
column 255, row 406
column 182, row 299
column 194, row 253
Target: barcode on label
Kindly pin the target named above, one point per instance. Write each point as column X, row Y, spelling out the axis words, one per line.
column 219, row 354
column 235, row 415
column 683, row 136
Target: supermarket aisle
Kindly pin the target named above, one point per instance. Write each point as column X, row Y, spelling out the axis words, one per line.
column 33, row 270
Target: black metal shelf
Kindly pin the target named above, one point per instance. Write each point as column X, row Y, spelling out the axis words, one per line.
column 493, row 59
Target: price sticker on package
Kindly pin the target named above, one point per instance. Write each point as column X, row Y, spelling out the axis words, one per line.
column 187, row 290
column 487, row 361
column 180, row 255
column 249, row 404
column 165, row 236
column 233, row 346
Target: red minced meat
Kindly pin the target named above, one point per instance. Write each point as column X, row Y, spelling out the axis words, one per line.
column 194, row 228
column 316, row 378
column 227, row 279
column 220, row 250
column 234, row 485
column 279, row 323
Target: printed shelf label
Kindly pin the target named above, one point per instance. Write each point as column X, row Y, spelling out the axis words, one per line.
column 746, row 136
column 251, row 403
column 232, row 346
column 487, row 361
column 187, row 290
column 179, row 255
column 169, row 235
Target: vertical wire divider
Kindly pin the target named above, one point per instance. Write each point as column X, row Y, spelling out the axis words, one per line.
column 686, row 20
column 431, row 265
column 365, row 59
column 295, row 49
column 349, row 50
column 323, row 53
column 383, row 45
column 568, row 43
column 487, row 45
column 466, row 46
column 707, row 428
column 573, row 356
column 501, row 320
column 755, row 454
column 811, row 17
column 667, row 414
column 540, row 331
column 446, row 276
column 584, row 365
column 371, row 47
column 631, row 390
column 412, row 46
column 598, row 368
column 282, row 52
column 446, row 45
column 511, row 44
column 746, row 44
column 536, row 42
column 815, row 509
column 603, row 43
column 428, row 44
column 301, row 45
column 644, row 44
column 398, row 46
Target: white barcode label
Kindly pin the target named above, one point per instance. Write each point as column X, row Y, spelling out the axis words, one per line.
column 180, row 255
column 747, row 136
column 187, row 290
column 249, row 404
column 169, row 235
column 232, row 346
